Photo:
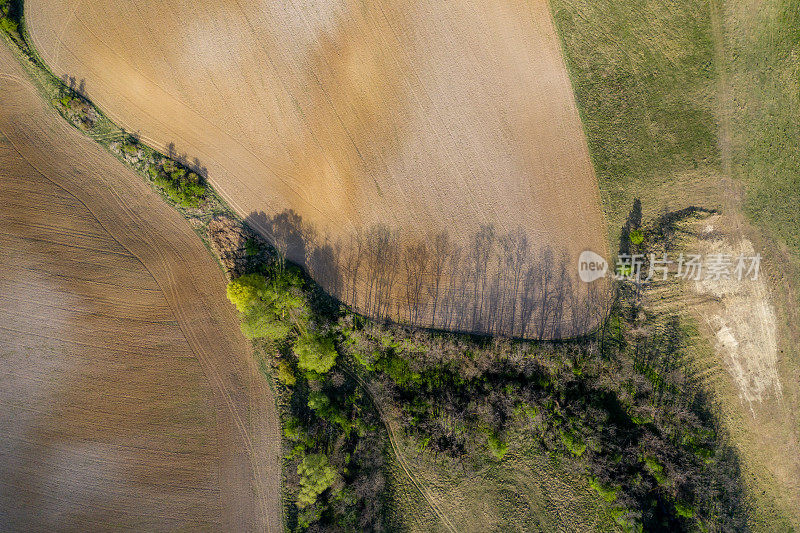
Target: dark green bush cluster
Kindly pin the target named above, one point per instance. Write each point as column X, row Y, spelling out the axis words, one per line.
column 10, row 13
column 185, row 187
column 334, row 428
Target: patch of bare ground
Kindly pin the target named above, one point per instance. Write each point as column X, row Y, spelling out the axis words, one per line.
column 745, row 358
column 748, row 327
column 378, row 126
column 744, row 321
column 128, row 400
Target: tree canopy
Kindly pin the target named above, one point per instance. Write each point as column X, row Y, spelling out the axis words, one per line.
column 316, row 475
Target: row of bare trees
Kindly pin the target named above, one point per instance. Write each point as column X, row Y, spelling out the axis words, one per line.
column 497, row 284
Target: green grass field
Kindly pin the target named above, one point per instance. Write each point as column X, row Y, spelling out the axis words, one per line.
column 667, row 112
column 763, row 72
column 644, row 77
column 525, row 491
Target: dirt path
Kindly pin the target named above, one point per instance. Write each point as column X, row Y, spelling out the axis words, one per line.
column 424, row 492
column 100, row 266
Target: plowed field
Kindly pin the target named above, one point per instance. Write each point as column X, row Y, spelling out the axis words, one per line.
column 127, row 398
column 355, row 133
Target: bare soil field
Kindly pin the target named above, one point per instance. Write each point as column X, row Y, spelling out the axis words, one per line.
column 353, row 134
column 128, row 400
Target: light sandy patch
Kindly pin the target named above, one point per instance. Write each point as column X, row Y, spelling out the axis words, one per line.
column 744, row 323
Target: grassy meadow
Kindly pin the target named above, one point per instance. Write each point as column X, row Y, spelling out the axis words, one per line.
column 763, row 75
column 644, row 78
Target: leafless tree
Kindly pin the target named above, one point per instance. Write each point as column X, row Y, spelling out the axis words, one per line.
column 441, row 253
column 416, row 261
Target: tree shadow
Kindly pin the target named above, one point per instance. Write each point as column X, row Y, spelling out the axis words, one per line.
column 496, row 285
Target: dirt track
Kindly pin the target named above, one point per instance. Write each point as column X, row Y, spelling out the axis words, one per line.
column 128, row 399
column 418, row 117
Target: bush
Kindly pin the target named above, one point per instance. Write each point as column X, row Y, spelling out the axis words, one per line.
column 657, row 470
column 9, row 26
column 259, row 323
column 686, row 511
column 573, row 444
column 498, row 448
column 609, row 494
column 271, row 308
column 245, row 291
column 285, row 374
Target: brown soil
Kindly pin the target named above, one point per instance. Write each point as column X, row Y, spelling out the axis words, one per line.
column 128, row 399
column 415, row 116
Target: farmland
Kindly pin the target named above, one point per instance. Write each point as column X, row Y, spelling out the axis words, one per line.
column 347, row 132
column 679, row 412
column 128, row 399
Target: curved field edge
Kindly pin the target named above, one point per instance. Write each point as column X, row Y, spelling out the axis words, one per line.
column 622, row 408
column 103, row 131
column 544, row 160
column 229, row 377
column 110, row 136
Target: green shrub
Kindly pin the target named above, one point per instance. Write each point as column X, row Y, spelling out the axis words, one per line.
column 259, row 323
column 308, row 516
column 397, row 368
column 285, row 374
column 573, row 443
column 269, row 308
column 684, row 510
column 609, row 494
column 251, row 247
column 656, row 469
column 498, row 447
column 9, row 26
column 292, row 430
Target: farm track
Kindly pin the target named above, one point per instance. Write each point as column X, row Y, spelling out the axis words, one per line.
column 387, row 423
column 121, row 350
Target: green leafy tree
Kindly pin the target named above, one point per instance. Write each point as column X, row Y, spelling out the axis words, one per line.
column 316, row 475
column 315, row 352
column 246, row 291
column 259, row 323
column 271, row 308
